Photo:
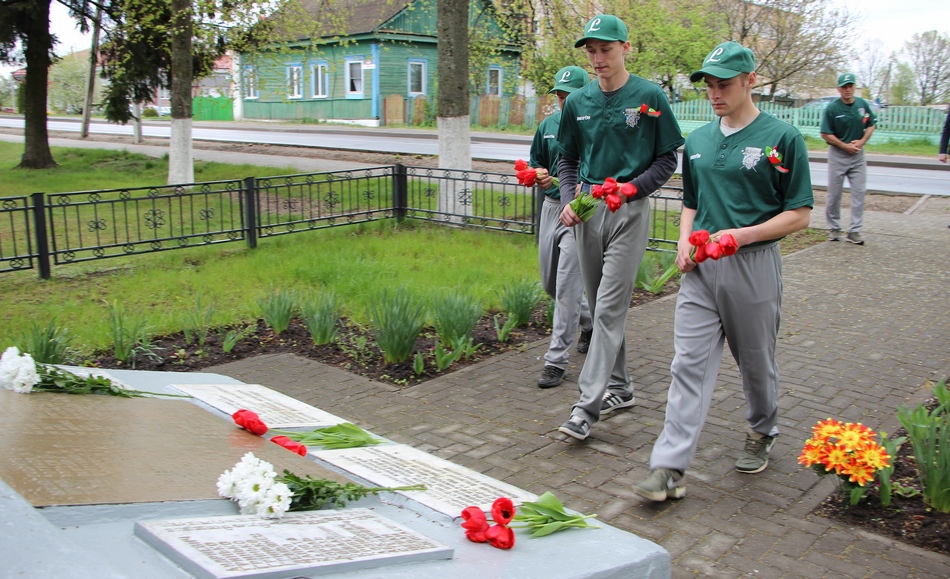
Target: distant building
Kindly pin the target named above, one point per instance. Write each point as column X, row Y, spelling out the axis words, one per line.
column 379, row 48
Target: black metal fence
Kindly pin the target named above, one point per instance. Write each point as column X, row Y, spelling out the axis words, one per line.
column 59, row 228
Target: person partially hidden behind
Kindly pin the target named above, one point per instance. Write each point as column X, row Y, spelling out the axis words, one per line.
column 557, row 248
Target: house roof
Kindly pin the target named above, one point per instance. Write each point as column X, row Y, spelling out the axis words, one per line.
column 358, row 16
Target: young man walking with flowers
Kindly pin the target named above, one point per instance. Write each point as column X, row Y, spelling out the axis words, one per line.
column 846, row 125
column 745, row 175
column 557, row 250
column 619, row 128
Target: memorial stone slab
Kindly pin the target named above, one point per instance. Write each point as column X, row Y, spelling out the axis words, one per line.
column 450, row 488
column 62, row 449
column 276, row 409
column 318, row 542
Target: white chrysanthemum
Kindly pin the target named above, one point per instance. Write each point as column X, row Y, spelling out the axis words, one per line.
column 17, row 373
column 226, row 484
column 9, row 364
column 275, row 502
column 26, row 376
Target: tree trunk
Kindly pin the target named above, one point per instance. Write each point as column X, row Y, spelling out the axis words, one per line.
column 36, row 153
column 455, row 149
column 454, row 100
column 180, row 160
column 91, row 80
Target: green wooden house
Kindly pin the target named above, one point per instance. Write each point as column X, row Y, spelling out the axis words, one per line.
column 382, row 48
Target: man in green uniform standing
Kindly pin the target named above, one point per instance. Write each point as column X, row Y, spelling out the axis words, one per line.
column 846, row 125
column 557, row 250
column 745, row 174
column 620, row 127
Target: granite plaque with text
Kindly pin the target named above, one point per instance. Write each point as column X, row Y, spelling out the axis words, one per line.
column 313, row 542
column 450, row 488
column 276, row 409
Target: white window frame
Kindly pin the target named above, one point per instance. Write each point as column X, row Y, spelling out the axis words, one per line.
column 319, row 79
column 249, row 83
column 423, row 65
column 349, row 64
column 295, row 80
column 164, row 93
column 501, row 77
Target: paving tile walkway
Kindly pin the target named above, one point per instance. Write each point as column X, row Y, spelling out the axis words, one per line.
column 863, row 328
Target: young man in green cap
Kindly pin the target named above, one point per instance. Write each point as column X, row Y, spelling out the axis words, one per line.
column 620, row 127
column 846, row 125
column 747, row 175
column 557, row 250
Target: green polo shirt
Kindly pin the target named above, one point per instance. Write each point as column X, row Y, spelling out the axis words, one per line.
column 731, row 183
column 545, row 150
column 848, row 122
column 610, row 137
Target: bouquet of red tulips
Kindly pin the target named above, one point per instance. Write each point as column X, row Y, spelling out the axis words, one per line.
column 611, row 193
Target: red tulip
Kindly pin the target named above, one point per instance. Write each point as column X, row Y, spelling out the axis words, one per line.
column 531, row 175
column 728, row 244
column 502, row 510
column 613, row 202
column 644, row 108
column 291, row 445
column 597, row 191
column 713, row 250
column 610, row 185
column 628, row 189
column 475, row 524
column 501, row 537
column 250, row 421
column 521, row 165
column 700, row 253
column 699, row 237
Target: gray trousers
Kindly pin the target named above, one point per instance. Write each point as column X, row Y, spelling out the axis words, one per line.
column 855, row 168
column 610, row 247
column 739, row 299
column 561, row 279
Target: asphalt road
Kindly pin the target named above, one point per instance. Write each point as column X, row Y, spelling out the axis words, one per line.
column 886, row 174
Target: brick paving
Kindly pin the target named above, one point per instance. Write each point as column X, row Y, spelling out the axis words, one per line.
column 863, row 328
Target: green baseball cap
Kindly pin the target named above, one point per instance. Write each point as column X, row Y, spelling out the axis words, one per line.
column 570, row 78
column 604, row 27
column 727, row 60
column 846, row 78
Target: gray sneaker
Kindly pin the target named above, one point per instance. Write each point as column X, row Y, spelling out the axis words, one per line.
column 755, row 456
column 834, row 234
column 662, row 484
column 576, row 427
column 550, row 377
column 855, row 238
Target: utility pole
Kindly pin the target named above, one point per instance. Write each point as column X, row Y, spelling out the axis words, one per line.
column 91, row 81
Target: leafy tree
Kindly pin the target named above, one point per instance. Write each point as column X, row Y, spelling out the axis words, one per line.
column 25, row 37
column 872, row 67
column 169, row 44
column 903, row 85
column 8, row 90
column 929, row 55
column 559, row 22
column 794, row 41
column 67, row 89
column 668, row 38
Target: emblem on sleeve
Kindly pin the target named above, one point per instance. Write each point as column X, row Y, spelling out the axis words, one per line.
column 751, row 156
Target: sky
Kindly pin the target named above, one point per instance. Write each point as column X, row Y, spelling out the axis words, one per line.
column 890, row 21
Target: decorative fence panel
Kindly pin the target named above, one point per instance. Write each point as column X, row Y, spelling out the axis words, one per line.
column 16, row 248
column 291, row 203
column 90, row 225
